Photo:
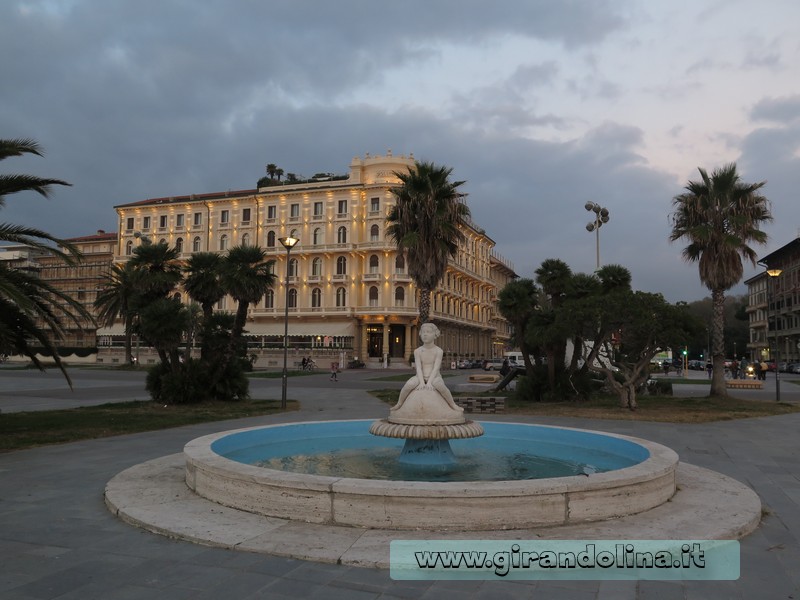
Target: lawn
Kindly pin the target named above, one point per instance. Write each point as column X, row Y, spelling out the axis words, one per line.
column 38, row 428
column 667, row 409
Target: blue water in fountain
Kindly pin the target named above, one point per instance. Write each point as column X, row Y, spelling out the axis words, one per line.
column 507, row 451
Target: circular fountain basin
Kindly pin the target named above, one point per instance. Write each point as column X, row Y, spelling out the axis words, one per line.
column 618, row 475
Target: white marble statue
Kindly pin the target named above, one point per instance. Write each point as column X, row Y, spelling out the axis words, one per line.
column 434, row 399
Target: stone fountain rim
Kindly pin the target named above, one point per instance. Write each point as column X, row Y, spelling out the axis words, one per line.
column 661, row 462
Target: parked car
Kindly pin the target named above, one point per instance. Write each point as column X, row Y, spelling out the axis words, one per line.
column 493, row 364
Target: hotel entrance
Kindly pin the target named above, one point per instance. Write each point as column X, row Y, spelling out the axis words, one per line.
column 375, row 341
column 397, row 341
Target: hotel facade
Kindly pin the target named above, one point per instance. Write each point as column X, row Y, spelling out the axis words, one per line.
column 349, row 293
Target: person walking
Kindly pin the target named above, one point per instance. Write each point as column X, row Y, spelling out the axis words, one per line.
column 709, row 368
column 334, row 371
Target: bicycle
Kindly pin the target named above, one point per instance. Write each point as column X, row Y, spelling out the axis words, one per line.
column 310, row 366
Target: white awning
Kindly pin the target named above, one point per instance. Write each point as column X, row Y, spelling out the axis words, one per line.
column 322, row 328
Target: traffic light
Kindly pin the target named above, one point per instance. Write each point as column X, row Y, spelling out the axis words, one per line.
column 684, row 352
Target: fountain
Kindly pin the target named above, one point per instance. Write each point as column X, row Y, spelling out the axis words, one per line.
column 295, row 472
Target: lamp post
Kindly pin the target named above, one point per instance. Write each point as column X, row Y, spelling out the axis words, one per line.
column 600, row 217
column 774, row 274
column 288, row 243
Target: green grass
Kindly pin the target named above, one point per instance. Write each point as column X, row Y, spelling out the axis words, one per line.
column 39, row 428
column 665, row 409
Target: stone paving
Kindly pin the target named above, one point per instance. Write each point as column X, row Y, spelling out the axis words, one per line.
column 58, row 540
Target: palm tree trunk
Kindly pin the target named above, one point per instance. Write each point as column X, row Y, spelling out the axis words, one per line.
column 717, row 349
column 424, row 305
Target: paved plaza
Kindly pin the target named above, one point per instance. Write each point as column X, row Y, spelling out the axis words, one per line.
column 58, row 540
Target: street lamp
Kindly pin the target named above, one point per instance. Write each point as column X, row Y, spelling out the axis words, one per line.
column 288, row 243
column 600, row 217
column 774, row 273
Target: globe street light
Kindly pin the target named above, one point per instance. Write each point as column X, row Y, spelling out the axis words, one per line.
column 774, row 274
column 600, row 217
column 288, row 243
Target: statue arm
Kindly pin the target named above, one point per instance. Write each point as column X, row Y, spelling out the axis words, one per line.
column 418, row 367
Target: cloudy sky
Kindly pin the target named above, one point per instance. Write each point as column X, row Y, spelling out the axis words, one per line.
column 540, row 106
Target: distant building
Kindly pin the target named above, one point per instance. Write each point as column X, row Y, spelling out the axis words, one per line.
column 773, row 305
column 349, row 293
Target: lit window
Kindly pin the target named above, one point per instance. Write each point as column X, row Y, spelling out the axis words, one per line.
column 374, row 233
column 271, row 212
column 198, row 218
column 316, row 298
column 317, row 209
column 316, row 267
column 245, row 215
column 374, row 204
column 341, row 297
column 373, row 296
column 342, row 207
column 269, row 299
column 341, row 265
column 373, row 263
column 341, row 235
column 179, row 220
column 146, row 223
column 129, row 224
column 271, row 239
column 399, row 297
column 292, row 298
column 293, row 267
column 224, row 216
column 223, row 242
column 196, row 245
column 179, row 245
column 294, row 210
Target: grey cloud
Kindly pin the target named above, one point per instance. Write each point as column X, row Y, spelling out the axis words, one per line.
column 779, row 110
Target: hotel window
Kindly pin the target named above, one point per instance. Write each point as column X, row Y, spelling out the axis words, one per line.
column 146, row 223
column 317, row 237
column 196, row 244
column 198, row 219
column 374, row 233
column 179, row 245
column 341, row 265
column 341, row 235
column 129, row 224
column 269, row 299
column 373, row 296
column 294, row 210
column 399, row 297
column 293, row 298
column 245, row 215
column 179, row 220
column 341, row 297
column 162, row 221
column 224, row 216
column 373, row 263
column 400, row 264
column 223, row 242
column 128, row 248
column 162, row 241
column 318, row 209
column 342, row 207
column 246, row 239
column 293, row 267
column 374, row 204
column 271, row 212
column 316, row 267
column 316, row 298
column 270, row 239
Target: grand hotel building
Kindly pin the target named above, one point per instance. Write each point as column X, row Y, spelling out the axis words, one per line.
column 350, row 294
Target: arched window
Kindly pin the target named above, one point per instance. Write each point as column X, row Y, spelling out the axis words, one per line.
column 341, row 265
column 316, row 267
column 196, row 244
column 246, row 239
column 269, row 299
column 341, row 297
column 179, row 245
column 373, row 296
column 374, row 233
column 162, row 241
column 223, row 242
column 128, row 248
column 317, row 237
column 316, row 298
column 373, row 263
column 399, row 297
column 293, row 298
column 293, row 267
column 270, row 239
column 400, row 264
column 341, row 235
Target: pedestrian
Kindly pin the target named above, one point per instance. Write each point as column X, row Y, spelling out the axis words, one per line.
column 334, row 371
column 764, row 369
column 743, row 368
column 665, row 366
column 304, row 363
column 757, row 368
column 709, row 368
column 734, row 369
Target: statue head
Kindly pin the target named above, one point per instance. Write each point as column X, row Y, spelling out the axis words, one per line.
column 429, row 327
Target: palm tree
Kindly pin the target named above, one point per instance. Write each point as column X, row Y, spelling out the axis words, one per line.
column 160, row 269
column 426, row 223
column 116, row 299
column 555, row 277
column 271, row 169
column 203, row 280
column 246, row 276
column 720, row 216
column 518, row 303
column 32, row 311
